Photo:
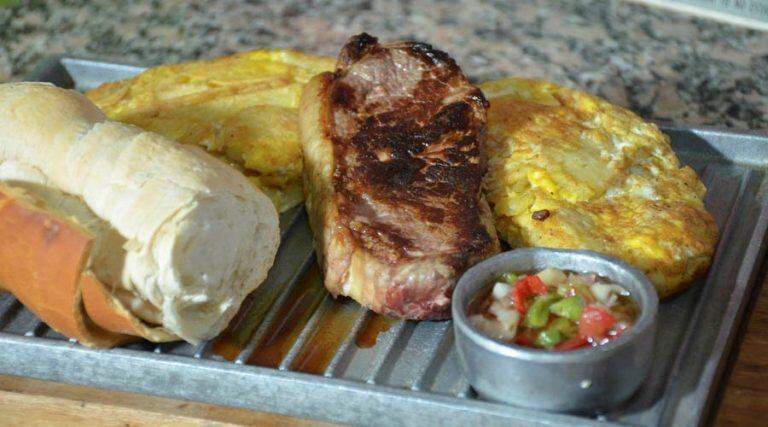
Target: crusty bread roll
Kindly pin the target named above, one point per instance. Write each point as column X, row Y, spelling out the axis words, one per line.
column 42, row 257
column 179, row 238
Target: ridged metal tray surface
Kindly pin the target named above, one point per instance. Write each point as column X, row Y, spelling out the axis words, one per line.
column 294, row 350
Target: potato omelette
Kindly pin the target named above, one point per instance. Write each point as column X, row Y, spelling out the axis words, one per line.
column 569, row 170
column 241, row 108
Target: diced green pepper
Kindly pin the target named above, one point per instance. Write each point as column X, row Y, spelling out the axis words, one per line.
column 548, row 338
column 538, row 313
column 510, row 278
column 563, row 325
column 569, row 307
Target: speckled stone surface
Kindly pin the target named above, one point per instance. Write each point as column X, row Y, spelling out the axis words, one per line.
column 662, row 65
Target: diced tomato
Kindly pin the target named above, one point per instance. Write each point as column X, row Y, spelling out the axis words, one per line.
column 524, row 339
column 524, row 288
column 572, row 344
column 595, row 322
column 536, row 285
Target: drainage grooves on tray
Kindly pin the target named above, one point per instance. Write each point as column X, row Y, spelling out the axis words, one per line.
column 36, row 328
column 426, row 372
column 292, row 259
column 273, row 312
column 463, row 389
column 374, row 326
column 389, row 352
column 324, row 336
column 20, row 321
column 8, row 308
column 309, row 327
column 203, row 349
column 420, row 350
column 340, row 358
column 289, row 219
column 282, row 327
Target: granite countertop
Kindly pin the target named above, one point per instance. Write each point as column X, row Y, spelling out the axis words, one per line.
column 662, row 65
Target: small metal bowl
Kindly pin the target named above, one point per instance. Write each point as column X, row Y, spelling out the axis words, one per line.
column 587, row 379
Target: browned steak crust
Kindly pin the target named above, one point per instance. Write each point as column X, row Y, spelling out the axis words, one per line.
column 406, row 128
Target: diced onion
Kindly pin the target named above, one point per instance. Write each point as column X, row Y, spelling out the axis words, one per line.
column 508, row 318
column 587, row 279
column 605, row 294
column 552, row 276
column 490, row 327
column 500, row 290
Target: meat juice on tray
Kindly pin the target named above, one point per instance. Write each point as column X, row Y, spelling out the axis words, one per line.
column 336, row 321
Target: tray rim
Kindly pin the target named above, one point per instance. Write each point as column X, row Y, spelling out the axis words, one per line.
column 724, row 342
column 232, row 373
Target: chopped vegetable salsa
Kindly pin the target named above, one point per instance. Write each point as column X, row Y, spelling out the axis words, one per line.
column 554, row 310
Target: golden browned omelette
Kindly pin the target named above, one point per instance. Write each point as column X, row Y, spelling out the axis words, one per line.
column 569, row 170
column 242, row 108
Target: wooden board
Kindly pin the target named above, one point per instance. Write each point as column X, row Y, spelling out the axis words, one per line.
column 745, row 398
column 26, row 402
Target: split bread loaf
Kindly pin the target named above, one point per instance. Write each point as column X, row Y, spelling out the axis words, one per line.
column 164, row 240
column 42, row 258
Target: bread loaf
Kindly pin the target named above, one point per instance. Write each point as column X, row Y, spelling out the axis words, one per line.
column 179, row 238
column 42, row 257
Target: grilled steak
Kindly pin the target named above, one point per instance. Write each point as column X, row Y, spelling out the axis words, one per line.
column 392, row 176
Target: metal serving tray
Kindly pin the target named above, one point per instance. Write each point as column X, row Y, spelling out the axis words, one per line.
column 294, row 350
